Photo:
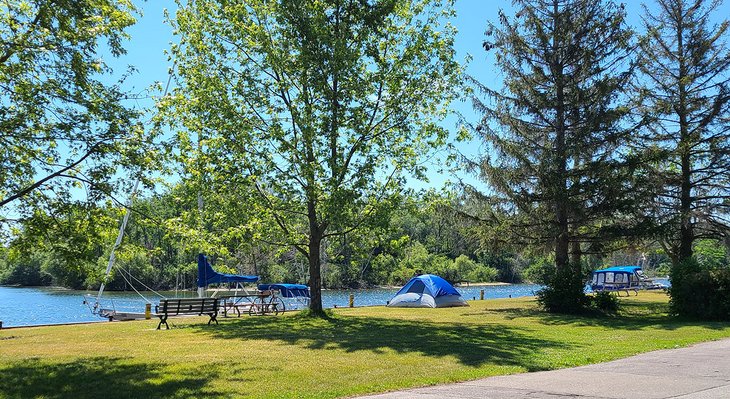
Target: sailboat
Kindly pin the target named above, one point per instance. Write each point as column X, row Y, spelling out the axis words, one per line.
column 95, row 304
column 206, row 276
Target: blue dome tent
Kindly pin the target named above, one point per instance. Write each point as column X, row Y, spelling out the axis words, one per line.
column 427, row 291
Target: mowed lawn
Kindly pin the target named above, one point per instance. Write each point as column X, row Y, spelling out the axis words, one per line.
column 358, row 351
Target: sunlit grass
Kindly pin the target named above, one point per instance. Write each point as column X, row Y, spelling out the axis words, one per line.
column 358, row 351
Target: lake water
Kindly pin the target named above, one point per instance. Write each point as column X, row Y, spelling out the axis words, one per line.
column 32, row 306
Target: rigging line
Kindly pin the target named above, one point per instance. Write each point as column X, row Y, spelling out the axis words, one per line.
column 139, row 281
column 132, row 285
column 112, row 255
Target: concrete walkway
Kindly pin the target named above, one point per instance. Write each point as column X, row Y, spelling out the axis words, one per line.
column 701, row 371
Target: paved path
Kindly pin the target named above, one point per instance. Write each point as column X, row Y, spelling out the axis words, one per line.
column 701, row 371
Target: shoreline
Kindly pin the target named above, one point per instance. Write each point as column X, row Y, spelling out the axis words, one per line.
column 384, row 287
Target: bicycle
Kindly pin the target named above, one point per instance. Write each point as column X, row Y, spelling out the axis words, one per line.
column 266, row 302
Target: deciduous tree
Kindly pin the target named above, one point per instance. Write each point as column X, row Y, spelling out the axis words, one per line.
column 61, row 122
column 320, row 107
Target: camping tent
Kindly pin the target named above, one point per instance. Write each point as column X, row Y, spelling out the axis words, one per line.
column 427, row 291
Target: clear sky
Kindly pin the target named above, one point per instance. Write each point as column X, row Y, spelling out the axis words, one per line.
column 151, row 36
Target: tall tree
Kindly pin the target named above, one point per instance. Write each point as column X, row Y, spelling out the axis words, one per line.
column 321, row 107
column 556, row 163
column 61, row 124
column 686, row 76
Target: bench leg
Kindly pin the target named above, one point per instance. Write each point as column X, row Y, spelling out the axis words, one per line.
column 163, row 319
column 213, row 318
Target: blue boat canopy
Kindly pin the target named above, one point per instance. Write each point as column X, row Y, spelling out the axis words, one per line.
column 617, row 278
column 620, row 269
column 287, row 290
column 206, row 274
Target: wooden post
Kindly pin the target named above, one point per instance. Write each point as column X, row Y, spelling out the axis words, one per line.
column 352, row 300
column 148, row 311
column 481, row 295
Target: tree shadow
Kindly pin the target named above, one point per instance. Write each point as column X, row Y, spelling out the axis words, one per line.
column 98, row 377
column 471, row 345
column 632, row 317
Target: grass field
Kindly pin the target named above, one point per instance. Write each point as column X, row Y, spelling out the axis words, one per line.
column 358, row 351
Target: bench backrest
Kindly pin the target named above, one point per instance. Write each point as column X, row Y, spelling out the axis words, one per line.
column 188, row 306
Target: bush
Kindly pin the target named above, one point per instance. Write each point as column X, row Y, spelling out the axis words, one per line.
column 603, row 301
column 469, row 270
column 401, row 276
column 482, row 274
column 699, row 293
column 381, row 267
column 464, row 265
column 564, row 293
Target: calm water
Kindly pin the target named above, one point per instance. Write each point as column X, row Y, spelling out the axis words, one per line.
column 29, row 306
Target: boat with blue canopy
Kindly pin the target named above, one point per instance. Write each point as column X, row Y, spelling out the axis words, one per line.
column 622, row 279
column 287, row 290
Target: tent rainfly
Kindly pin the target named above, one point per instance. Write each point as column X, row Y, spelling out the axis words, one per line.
column 427, row 291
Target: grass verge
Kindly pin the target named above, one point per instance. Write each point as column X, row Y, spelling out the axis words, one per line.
column 358, row 351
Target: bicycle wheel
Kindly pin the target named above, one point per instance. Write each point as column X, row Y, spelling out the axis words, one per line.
column 277, row 306
column 257, row 307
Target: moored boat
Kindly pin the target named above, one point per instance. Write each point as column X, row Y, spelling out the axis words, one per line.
column 623, row 278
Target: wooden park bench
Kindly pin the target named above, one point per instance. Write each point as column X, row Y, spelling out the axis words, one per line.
column 187, row 306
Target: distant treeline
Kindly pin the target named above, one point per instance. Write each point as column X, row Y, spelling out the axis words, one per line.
column 428, row 233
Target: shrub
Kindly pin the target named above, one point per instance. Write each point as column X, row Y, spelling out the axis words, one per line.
column 700, row 293
column 464, row 265
column 603, row 301
column 401, row 276
column 482, row 274
column 445, row 268
column 381, row 267
column 564, row 293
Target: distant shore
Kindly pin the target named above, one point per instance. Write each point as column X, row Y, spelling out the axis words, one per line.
column 480, row 284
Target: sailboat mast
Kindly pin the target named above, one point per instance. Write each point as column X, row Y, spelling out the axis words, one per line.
column 118, row 242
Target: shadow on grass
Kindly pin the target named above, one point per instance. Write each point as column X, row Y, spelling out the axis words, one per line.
column 632, row 316
column 98, row 377
column 471, row 345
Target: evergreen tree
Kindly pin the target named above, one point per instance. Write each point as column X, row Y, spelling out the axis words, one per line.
column 556, row 160
column 686, row 91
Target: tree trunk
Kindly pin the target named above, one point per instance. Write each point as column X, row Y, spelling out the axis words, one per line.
column 575, row 256
column 316, row 231
column 562, row 240
column 686, row 230
column 315, row 277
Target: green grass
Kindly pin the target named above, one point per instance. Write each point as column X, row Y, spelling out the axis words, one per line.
column 358, row 351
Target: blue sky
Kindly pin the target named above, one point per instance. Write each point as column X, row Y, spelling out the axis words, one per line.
column 151, row 36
